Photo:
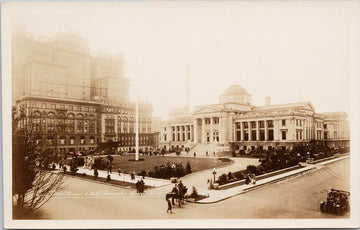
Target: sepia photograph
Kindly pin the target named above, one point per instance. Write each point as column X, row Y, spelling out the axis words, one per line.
column 180, row 114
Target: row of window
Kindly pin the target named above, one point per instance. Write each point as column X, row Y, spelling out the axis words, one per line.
column 253, row 124
column 71, row 141
column 68, row 107
column 261, row 137
column 178, row 128
column 122, row 111
column 215, row 120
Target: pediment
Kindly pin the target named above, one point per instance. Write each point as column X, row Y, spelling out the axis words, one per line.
column 208, row 109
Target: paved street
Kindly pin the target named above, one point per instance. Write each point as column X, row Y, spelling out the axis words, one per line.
column 295, row 198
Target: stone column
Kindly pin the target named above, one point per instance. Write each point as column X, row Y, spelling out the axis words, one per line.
column 211, row 130
column 266, row 130
column 202, row 130
column 250, row 131
column 195, row 131
column 242, row 131
column 220, row 130
column 257, row 130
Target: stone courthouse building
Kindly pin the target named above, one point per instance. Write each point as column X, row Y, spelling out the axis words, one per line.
column 79, row 101
column 235, row 124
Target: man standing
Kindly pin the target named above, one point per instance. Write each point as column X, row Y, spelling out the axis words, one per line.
column 169, row 206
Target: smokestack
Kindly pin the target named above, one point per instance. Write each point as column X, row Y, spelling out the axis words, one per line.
column 267, row 100
column 187, row 86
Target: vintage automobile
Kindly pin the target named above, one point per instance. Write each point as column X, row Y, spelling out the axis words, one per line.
column 337, row 202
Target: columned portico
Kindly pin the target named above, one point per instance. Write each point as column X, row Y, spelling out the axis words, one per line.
column 211, row 130
column 202, row 130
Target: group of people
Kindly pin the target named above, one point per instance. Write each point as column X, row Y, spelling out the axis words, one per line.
column 250, row 178
column 140, row 186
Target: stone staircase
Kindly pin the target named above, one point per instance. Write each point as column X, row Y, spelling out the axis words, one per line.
column 201, row 148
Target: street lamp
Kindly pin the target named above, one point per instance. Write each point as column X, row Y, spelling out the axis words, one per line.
column 214, row 173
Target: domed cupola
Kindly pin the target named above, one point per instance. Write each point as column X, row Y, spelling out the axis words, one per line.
column 235, row 94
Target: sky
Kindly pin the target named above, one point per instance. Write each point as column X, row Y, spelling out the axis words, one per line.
column 292, row 51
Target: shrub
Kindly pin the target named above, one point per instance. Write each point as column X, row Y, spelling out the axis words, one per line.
column 223, row 179
column 194, row 194
column 239, row 175
column 233, row 153
column 251, row 169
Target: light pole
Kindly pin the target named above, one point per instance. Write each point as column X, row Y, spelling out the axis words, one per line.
column 214, row 173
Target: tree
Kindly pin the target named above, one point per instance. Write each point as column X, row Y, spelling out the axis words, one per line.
column 32, row 182
column 188, row 167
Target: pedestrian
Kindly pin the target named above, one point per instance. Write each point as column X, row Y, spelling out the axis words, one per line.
column 214, row 153
column 119, row 171
column 206, row 153
column 194, row 154
column 137, row 187
column 169, row 206
column 141, row 187
column 108, row 178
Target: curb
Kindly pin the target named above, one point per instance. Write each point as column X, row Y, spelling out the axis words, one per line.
column 308, row 171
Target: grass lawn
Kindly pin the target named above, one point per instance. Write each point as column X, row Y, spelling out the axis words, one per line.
column 128, row 165
column 103, row 180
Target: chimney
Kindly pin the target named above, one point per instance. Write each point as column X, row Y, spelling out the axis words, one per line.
column 267, row 100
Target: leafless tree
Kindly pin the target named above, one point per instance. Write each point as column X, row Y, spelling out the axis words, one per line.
column 33, row 181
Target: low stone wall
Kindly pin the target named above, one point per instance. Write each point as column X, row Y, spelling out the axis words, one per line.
column 274, row 173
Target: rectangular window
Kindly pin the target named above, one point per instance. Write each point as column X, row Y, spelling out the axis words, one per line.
column 262, row 135
column 325, row 126
column 245, row 124
column 253, row 135
column 252, row 147
column 270, row 124
column 62, row 106
column 165, row 137
column 53, row 106
column 253, row 124
column 271, row 135
column 238, row 135
column 237, row 125
column 245, row 147
column 173, row 137
column 44, row 106
column 283, row 135
column 283, row 122
column 246, row 135
column 262, row 124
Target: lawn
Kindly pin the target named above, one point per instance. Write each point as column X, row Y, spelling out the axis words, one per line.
column 148, row 163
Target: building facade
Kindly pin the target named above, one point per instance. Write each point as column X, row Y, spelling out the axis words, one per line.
column 79, row 101
column 235, row 124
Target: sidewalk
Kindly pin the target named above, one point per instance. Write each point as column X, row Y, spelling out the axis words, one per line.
column 153, row 182
column 219, row 195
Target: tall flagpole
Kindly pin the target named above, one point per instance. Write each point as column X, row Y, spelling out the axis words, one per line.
column 137, row 125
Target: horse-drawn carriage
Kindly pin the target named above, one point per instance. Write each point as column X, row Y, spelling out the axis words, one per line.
column 177, row 194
